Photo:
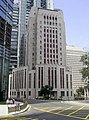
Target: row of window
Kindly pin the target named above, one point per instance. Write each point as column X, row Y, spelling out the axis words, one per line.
column 19, row 80
column 67, row 93
column 14, row 93
column 50, row 17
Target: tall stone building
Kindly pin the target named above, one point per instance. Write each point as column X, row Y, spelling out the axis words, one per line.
column 46, row 57
column 24, row 9
column 21, row 12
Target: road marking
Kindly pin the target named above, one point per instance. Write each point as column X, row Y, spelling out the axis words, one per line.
column 60, row 114
column 65, row 109
column 87, row 117
column 46, row 110
column 54, row 109
column 76, row 110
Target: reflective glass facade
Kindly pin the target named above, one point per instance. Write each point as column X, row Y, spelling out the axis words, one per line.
column 14, row 37
column 5, row 42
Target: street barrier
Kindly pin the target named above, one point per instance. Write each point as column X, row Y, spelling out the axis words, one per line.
column 17, row 107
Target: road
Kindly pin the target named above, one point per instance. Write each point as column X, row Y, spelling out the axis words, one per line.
column 57, row 110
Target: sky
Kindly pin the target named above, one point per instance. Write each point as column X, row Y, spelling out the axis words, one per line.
column 76, row 17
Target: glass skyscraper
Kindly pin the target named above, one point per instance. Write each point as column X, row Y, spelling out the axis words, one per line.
column 5, row 43
column 14, row 37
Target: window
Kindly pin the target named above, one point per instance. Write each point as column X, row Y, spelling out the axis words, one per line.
column 42, row 77
column 29, row 93
column 44, row 54
column 21, row 93
column 47, row 50
column 30, row 80
column 56, row 56
column 50, row 31
column 47, row 35
column 44, row 17
column 50, row 50
column 44, row 30
column 71, row 93
column 44, row 45
column 55, row 78
column 61, row 77
column 67, row 93
column 67, row 81
column 44, row 35
column 40, row 52
column 47, row 40
column 44, row 40
column 39, row 77
column 60, row 49
column 44, row 60
column 51, row 56
column 51, row 45
column 71, row 81
column 60, row 59
column 62, row 93
column 34, row 80
column 56, row 50
column 49, row 76
column 55, row 18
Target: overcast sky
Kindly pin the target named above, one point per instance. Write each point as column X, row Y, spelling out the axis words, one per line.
column 76, row 17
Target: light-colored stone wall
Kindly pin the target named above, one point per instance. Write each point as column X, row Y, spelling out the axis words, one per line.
column 73, row 57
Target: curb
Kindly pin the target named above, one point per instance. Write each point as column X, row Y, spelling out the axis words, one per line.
column 15, row 113
column 22, row 111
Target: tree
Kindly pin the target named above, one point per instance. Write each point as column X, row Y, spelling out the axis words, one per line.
column 80, row 91
column 46, row 91
column 85, row 72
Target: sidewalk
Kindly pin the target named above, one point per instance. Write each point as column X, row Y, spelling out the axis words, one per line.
column 4, row 110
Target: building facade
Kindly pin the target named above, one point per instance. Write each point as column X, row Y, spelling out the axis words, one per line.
column 73, row 57
column 46, row 54
column 24, row 9
column 14, row 37
column 5, row 43
column 20, row 18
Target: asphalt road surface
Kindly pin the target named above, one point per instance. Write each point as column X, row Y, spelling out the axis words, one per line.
column 57, row 110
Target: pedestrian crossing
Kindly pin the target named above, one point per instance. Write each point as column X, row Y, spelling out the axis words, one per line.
column 81, row 112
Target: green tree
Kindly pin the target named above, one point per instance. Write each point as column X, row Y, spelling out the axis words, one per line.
column 85, row 72
column 46, row 91
column 80, row 91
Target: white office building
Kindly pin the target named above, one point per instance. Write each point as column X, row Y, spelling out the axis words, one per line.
column 73, row 57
